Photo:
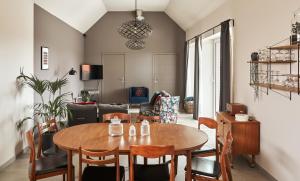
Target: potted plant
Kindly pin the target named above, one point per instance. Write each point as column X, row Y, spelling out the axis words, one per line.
column 52, row 104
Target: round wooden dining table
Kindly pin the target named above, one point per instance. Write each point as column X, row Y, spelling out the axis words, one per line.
column 95, row 137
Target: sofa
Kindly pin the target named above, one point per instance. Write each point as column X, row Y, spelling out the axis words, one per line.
column 82, row 114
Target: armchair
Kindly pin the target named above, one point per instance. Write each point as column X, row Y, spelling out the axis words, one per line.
column 138, row 95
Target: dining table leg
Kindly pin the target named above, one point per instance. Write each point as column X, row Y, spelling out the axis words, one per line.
column 188, row 175
column 70, row 166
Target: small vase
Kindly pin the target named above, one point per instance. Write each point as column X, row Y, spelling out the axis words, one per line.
column 145, row 128
column 132, row 130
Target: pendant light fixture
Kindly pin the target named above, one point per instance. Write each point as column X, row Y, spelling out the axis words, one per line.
column 135, row 30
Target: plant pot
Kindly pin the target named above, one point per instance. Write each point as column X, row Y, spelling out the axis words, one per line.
column 47, row 140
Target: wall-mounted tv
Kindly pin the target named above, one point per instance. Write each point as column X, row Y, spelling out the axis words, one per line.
column 91, row 72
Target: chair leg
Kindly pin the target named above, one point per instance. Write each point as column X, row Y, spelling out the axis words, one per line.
column 64, row 177
column 176, row 164
column 145, row 161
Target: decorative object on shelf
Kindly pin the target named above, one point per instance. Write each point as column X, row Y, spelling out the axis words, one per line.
column 241, row 117
column 254, row 56
column 295, row 37
column 44, row 58
column 115, row 127
column 145, row 128
column 135, row 30
column 85, row 96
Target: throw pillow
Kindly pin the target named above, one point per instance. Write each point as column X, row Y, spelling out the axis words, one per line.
column 139, row 92
column 157, row 105
column 153, row 99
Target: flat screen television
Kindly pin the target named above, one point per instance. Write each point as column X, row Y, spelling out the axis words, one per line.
column 91, row 72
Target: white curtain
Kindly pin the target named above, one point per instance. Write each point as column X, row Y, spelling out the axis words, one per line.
column 190, row 69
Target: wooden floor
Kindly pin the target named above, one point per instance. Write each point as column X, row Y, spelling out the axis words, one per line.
column 18, row 170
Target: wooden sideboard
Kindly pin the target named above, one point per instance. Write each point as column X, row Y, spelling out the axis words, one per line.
column 246, row 135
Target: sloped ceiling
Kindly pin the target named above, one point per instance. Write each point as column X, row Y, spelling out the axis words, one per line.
column 82, row 15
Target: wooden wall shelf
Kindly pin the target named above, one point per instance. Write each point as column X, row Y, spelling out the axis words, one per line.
column 285, row 47
column 277, row 87
column 273, row 62
column 269, row 64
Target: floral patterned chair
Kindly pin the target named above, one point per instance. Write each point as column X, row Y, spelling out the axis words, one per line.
column 168, row 109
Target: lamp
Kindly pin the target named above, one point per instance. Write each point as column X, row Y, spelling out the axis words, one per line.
column 72, row 71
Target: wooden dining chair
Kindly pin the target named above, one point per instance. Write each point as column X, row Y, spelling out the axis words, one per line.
column 97, row 169
column 46, row 166
column 151, row 119
column 158, row 172
column 125, row 118
column 205, row 150
column 49, row 128
column 204, row 169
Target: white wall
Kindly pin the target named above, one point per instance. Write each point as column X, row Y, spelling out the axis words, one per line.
column 259, row 23
column 16, row 50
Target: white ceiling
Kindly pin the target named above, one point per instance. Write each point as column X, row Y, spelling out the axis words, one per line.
column 129, row 5
column 188, row 12
column 82, row 15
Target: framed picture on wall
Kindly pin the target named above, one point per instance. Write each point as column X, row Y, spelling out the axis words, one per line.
column 44, row 58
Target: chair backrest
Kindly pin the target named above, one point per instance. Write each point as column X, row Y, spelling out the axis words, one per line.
column 89, row 155
column 149, row 151
column 225, row 163
column 125, row 118
column 151, row 119
column 210, row 123
column 145, row 91
column 49, row 126
column 30, row 141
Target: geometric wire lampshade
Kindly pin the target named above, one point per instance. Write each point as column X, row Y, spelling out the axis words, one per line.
column 135, row 44
column 135, row 30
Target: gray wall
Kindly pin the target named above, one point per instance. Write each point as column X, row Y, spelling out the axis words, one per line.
column 66, row 49
column 167, row 37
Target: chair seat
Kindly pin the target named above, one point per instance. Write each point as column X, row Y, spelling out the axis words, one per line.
column 206, row 167
column 49, row 164
column 54, row 151
column 96, row 173
column 204, row 150
column 159, row 172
